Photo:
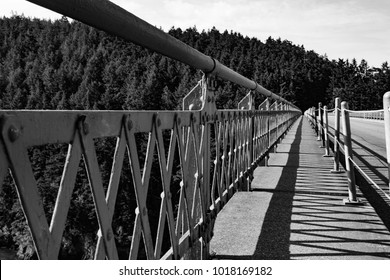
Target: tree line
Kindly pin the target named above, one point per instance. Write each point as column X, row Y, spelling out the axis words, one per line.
column 66, row 65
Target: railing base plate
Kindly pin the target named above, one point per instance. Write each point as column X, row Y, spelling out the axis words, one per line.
column 348, row 202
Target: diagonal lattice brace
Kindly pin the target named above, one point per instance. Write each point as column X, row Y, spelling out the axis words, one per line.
column 96, row 184
column 64, row 195
column 113, row 185
column 220, row 162
column 184, row 145
column 3, row 164
column 26, row 185
column 229, row 152
column 141, row 185
column 166, row 174
column 194, row 142
column 215, row 182
column 224, row 183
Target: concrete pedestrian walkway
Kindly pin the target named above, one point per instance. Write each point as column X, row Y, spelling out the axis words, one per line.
column 296, row 210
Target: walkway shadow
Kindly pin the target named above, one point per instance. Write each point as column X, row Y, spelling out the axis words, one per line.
column 296, row 211
column 274, row 239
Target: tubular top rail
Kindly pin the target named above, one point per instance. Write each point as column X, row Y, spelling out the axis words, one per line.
column 330, row 110
column 115, row 20
column 366, row 111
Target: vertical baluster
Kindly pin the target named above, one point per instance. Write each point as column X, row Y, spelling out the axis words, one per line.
column 336, row 147
column 352, row 199
column 326, row 138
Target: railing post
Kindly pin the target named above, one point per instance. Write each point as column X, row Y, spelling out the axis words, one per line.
column 326, row 138
column 318, row 123
column 277, row 123
column 322, row 138
column 310, row 116
column 336, row 147
column 274, row 128
column 348, row 156
column 209, row 110
column 252, row 118
column 193, row 101
column 268, row 108
column 247, row 104
column 202, row 97
column 386, row 116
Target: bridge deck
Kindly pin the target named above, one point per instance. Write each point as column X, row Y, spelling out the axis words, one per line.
column 296, row 211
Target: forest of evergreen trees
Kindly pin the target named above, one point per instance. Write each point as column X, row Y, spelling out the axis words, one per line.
column 68, row 65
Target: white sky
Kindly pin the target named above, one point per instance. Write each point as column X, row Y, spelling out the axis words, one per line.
column 338, row 28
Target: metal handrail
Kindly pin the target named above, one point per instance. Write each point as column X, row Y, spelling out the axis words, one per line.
column 366, row 111
column 115, row 20
column 367, row 114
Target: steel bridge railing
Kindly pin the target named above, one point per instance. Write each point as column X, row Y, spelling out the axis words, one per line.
column 319, row 120
column 216, row 151
column 368, row 114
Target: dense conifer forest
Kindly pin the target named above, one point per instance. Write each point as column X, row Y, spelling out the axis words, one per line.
column 67, row 65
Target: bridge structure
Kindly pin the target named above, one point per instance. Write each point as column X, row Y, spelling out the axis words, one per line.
column 227, row 160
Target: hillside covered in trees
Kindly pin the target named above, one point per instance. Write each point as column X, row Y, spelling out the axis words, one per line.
column 68, row 65
column 63, row 65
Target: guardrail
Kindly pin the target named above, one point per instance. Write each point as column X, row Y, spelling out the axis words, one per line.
column 316, row 118
column 371, row 115
column 215, row 151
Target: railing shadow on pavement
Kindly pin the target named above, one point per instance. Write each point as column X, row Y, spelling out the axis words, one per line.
column 378, row 200
column 305, row 218
column 371, row 176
